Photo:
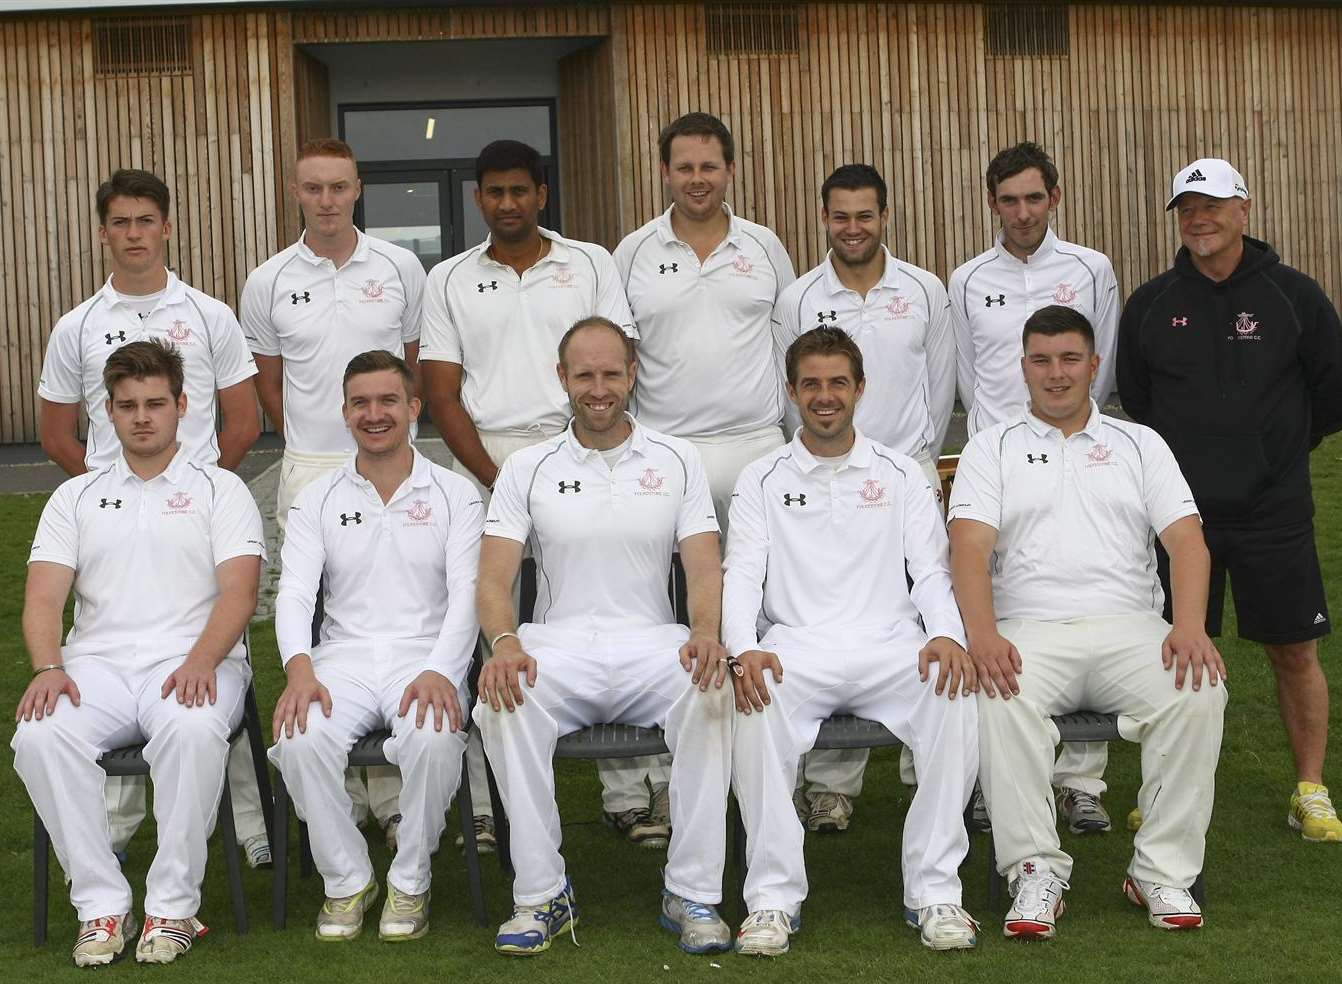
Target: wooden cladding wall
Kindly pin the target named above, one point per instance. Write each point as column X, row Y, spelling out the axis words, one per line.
column 211, row 133
column 452, row 24
column 588, row 154
column 909, row 89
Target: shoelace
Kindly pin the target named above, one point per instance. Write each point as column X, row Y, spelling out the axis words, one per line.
column 699, row 912
column 106, row 924
column 1317, row 805
column 338, row 907
column 1084, row 802
column 824, row 803
column 1178, row 898
column 545, row 913
column 952, row 912
column 1037, row 891
column 771, row 918
column 401, row 903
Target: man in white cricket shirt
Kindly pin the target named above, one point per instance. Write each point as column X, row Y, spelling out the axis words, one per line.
column 492, row 318
column 1027, row 268
column 164, row 556
column 142, row 299
column 1053, row 520
column 306, row 312
column 702, row 283
column 897, row 314
column 849, row 641
column 397, row 540
column 603, row 506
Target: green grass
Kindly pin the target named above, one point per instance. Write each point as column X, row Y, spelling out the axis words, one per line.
column 1273, row 911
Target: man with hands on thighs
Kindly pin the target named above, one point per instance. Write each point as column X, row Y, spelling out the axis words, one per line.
column 827, row 533
column 603, row 505
column 1053, row 521
column 396, row 539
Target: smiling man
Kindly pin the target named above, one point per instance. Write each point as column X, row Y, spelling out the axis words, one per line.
column 603, row 506
column 1029, row 267
column 164, row 556
column 1053, row 519
column 394, row 539
column 1236, row 360
column 861, row 639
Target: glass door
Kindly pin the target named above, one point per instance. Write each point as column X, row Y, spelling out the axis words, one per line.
column 410, row 209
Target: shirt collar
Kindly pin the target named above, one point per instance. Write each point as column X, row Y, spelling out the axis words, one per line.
column 1093, row 428
column 638, row 440
column 858, row 457
column 559, row 251
column 172, row 293
column 173, row 474
column 890, row 277
column 667, row 234
column 419, row 471
column 360, row 249
column 1045, row 250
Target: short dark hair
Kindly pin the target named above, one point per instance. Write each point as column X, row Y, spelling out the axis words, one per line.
column 697, row 125
column 326, row 147
column 130, row 182
column 823, row 341
column 145, row 360
column 505, row 155
column 595, row 321
column 854, row 177
column 1058, row 319
column 379, row 360
column 1021, row 157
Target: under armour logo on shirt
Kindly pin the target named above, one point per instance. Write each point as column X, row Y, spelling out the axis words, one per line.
column 668, row 267
column 798, row 499
column 117, row 337
column 105, row 503
column 989, row 300
column 1041, row 459
column 574, row 486
column 1178, row 322
column 1195, row 176
column 305, row 297
column 356, row 519
column 492, row 285
column 822, row 316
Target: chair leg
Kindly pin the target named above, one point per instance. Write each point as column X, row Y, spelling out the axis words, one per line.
column 472, row 851
column 1199, row 889
column 739, row 857
column 305, row 865
column 502, row 835
column 279, row 848
column 232, row 858
column 256, row 741
column 994, row 879
column 41, row 858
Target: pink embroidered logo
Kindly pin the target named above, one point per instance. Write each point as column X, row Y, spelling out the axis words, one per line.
column 1244, row 325
column 898, row 307
column 179, row 502
column 742, row 266
column 419, row 511
column 1100, row 453
column 372, row 289
column 179, row 331
column 1064, row 294
column 563, row 277
column 872, row 491
column 651, row 482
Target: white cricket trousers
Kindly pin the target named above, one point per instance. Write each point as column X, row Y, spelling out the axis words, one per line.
column 365, row 696
column 57, row 759
column 879, row 682
column 634, row 678
column 1111, row 665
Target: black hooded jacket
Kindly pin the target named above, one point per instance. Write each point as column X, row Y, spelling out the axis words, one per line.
column 1241, row 378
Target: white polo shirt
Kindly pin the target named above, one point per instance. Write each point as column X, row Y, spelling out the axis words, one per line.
column 504, row 330
column 908, row 351
column 214, row 356
column 823, row 553
column 144, row 554
column 299, row 306
column 706, row 363
column 1076, row 518
column 400, row 576
column 602, row 535
column 991, row 297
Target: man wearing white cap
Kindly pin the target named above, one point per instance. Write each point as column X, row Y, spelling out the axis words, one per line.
column 1236, row 360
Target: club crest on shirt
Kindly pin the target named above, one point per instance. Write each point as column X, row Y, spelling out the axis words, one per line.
column 419, row 514
column 651, row 482
column 898, row 307
column 179, row 331
column 178, row 503
column 1064, row 294
column 1100, row 454
column 743, row 266
column 371, row 290
column 1246, row 329
column 562, row 277
column 872, row 495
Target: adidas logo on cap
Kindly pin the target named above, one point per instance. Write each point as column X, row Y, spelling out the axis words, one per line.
column 1195, row 176
column 1319, row 619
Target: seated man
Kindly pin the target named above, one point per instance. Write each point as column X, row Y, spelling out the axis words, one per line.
column 823, row 531
column 604, row 505
column 397, row 539
column 1054, row 516
column 165, row 557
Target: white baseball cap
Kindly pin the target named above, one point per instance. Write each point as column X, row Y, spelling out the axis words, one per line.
column 1208, row 176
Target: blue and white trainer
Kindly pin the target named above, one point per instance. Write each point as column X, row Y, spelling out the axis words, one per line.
column 700, row 927
column 531, row 927
column 943, row 927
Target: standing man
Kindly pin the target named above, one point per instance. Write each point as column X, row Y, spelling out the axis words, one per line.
column 702, row 284
column 396, row 539
column 1054, row 517
column 860, row 640
column 143, row 300
column 1028, row 268
column 897, row 315
column 164, row 556
column 306, row 312
column 603, row 505
column 492, row 318
column 1236, row 360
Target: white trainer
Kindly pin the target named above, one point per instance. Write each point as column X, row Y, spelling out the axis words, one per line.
column 103, row 940
column 1036, row 901
column 1166, row 907
column 943, row 927
column 766, row 933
